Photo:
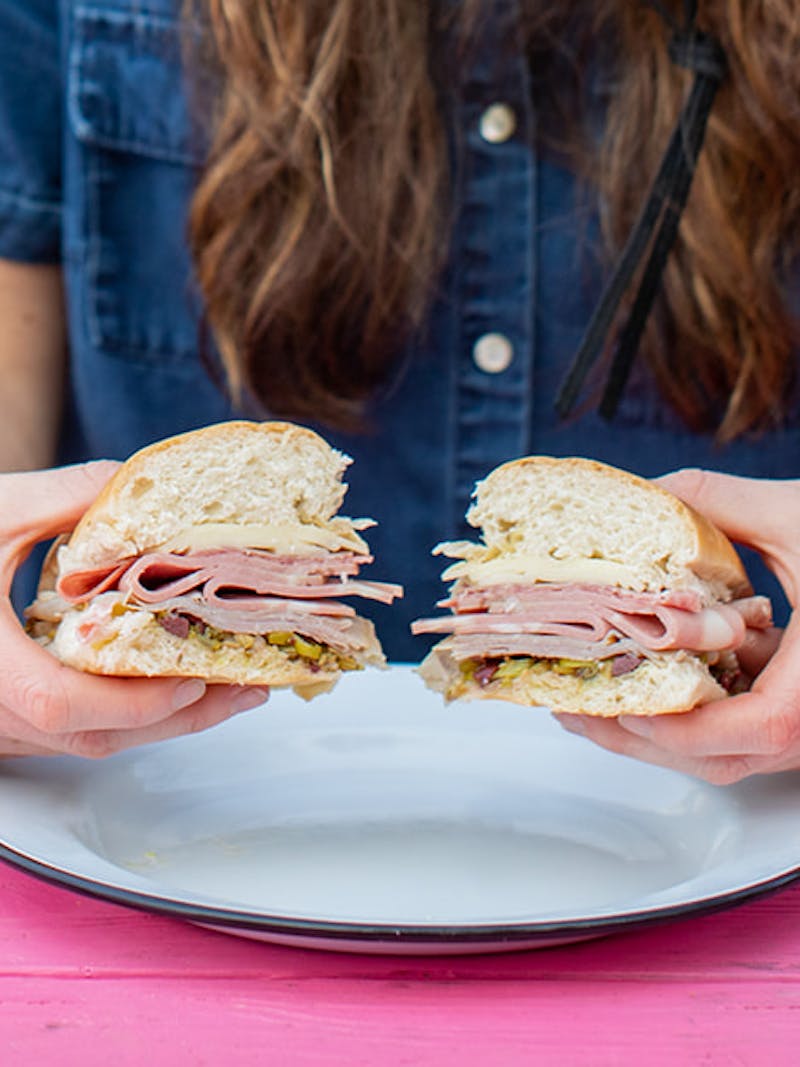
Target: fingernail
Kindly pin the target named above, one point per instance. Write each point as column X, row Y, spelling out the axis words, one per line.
column 573, row 724
column 636, row 724
column 187, row 693
column 249, row 698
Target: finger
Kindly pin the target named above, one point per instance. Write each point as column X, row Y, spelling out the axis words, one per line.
column 758, row 647
column 762, row 722
column 221, row 702
column 744, row 508
column 49, row 502
column 18, row 737
column 56, row 699
column 11, row 748
column 610, row 735
column 780, row 676
column 730, row 727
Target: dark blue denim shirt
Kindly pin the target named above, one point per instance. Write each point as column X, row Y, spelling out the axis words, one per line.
column 98, row 156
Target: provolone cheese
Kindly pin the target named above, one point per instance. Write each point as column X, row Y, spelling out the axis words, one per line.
column 290, row 538
column 511, row 568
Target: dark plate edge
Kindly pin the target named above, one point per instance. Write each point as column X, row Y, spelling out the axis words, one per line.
column 387, row 933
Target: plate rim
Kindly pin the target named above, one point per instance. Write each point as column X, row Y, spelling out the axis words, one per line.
column 396, row 933
column 446, row 932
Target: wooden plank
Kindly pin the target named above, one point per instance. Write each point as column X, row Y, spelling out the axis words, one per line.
column 48, row 931
column 128, row 1022
column 89, row 983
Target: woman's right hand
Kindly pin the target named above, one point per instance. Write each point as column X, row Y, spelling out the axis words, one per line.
column 756, row 732
column 46, row 707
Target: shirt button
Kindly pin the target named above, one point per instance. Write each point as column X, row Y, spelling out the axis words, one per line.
column 497, row 123
column 493, row 353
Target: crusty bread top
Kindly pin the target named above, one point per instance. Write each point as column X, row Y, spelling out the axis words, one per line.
column 231, row 472
column 578, row 508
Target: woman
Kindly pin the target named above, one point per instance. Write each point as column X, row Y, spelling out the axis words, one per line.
column 397, row 216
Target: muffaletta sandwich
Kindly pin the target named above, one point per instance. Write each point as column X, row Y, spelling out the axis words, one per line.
column 591, row 591
column 216, row 554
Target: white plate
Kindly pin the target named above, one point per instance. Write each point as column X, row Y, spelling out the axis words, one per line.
column 377, row 819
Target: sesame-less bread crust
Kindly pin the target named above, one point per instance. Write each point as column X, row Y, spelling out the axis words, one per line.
column 579, row 508
column 238, row 472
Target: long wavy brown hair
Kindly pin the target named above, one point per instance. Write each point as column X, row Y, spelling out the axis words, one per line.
column 320, row 222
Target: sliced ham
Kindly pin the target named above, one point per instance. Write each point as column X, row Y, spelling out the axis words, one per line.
column 341, row 630
column 215, row 586
column 755, row 610
column 480, row 646
column 711, row 629
column 326, row 622
column 248, row 613
column 83, row 585
column 591, row 626
column 664, row 629
column 515, row 597
column 238, row 591
column 592, row 615
column 157, row 577
column 153, row 579
column 335, row 563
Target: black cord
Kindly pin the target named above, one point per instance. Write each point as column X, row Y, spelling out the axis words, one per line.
column 657, row 225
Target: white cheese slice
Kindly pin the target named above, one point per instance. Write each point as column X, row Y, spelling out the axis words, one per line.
column 294, row 539
column 512, row 568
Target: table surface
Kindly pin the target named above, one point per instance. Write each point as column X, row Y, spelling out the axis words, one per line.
column 90, row 983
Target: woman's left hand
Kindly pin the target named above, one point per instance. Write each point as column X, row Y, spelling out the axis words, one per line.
column 756, row 732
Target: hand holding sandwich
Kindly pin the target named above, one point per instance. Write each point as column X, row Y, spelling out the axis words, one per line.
column 216, row 556
column 607, row 599
column 46, row 707
column 755, row 732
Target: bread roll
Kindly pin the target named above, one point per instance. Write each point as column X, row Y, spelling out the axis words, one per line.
column 242, row 473
column 591, row 591
column 216, row 554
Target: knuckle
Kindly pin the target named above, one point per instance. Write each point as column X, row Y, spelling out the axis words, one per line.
column 781, row 732
column 689, row 480
column 725, row 772
column 199, row 721
column 90, row 744
column 42, row 704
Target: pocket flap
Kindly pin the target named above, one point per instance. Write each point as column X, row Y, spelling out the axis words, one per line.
column 128, row 86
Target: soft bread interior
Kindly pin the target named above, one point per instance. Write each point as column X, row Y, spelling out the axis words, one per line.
column 667, row 683
column 142, row 647
column 562, row 510
column 237, row 472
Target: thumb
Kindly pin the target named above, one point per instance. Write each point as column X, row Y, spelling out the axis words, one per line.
column 760, row 513
column 36, row 505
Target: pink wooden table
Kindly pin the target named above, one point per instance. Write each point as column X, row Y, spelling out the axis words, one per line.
column 96, row 985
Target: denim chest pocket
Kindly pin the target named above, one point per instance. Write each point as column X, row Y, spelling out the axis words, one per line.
column 136, row 151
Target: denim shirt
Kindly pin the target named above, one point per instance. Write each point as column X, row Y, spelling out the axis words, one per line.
column 98, row 157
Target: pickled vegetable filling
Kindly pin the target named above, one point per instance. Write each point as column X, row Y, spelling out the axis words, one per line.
column 506, row 669
column 295, row 646
column 731, row 678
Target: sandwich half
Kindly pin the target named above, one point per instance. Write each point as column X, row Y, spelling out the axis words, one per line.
column 216, row 554
column 591, row 591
